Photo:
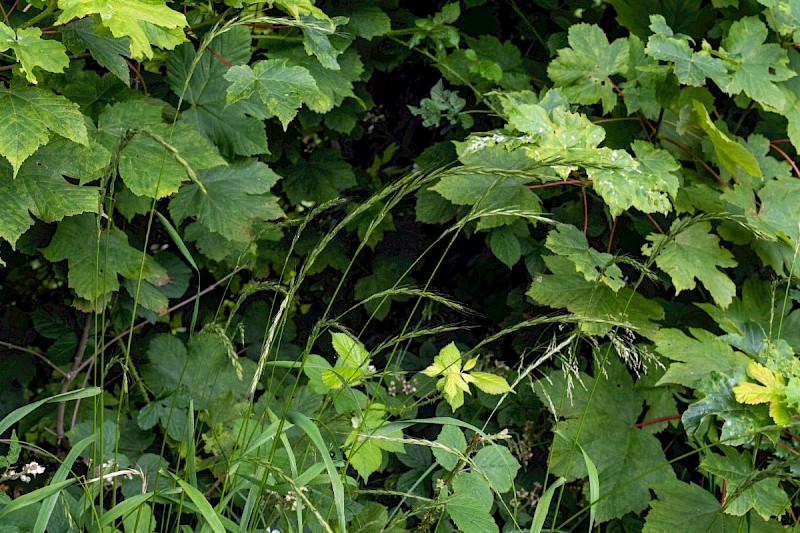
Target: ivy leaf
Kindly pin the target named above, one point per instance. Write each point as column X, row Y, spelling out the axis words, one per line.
column 694, row 254
column 758, row 66
column 744, row 490
column 109, row 52
column 321, row 177
column 93, row 277
column 32, row 51
column 281, row 88
column 498, row 465
column 145, row 22
column 40, row 189
column 583, row 71
column 729, row 153
column 237, row 128
column 31, row 115
column 570, row 242
column 235, row 198
column 568, row 289
column 691, row 68
column 601, row 418
column 698, row 357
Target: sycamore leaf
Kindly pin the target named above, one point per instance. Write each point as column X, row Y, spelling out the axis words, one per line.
column 698, row 357
column 94, row 277
column 130, row 18
column 316, row 41
column 568, row 241
column 368, row 21
column 729, row 152
column 30, row 116
column 566, row 288
column 109, row 52
column 319, row 178
column 602, row 418
column 772, row 391
column 694, row 254
column 32, row 51
column 281, row 88
column 686, row 507
column 235, row 198
column 583, row 70
column 758, row 66
column 691, row 68
column 743, row 490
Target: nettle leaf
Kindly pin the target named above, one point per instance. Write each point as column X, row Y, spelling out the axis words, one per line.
column 30, row 116
column 351, row 364
column 568, row 289
column 32, row 51
column 744, row 491
column 157, row 157
column 146, row 22
column 729, row 152
column 570, row 242
column 109, row 52
column 282, row 89
column 235, row 199
column 758, row 66
column 601, row 418
column 694, row 254
column 237, row 128
column 94, row 277
column 583, row 71
column 691, row 68
column 321, row 177
column 40, row 189
column 698, row 358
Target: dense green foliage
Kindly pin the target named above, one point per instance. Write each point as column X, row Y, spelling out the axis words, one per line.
column 381, row 266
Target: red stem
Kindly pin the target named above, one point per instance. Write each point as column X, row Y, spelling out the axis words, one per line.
column 696, row 158
column 661, row 231
column 611, row 237
column 724, row 490
column 224, row 61
column 657, row 420
column 556, row 183
column 585, row 211
column 786, row 156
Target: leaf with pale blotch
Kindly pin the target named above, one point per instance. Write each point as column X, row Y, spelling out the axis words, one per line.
column 30, row 116
column 235, row 199
column 94, row 268
column 582, row 70
column 32, row 51
column 694, row 254
column 281, row 88
column 127, row 18
column 729, row 152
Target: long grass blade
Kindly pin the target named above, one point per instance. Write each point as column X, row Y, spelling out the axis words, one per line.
column 18, row 414
column 543, row 506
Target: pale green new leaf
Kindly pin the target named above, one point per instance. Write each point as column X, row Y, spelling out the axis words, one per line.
column 129, row 18
column 351, row 364
column 94, row 268
column 694, row 254
column 583, row 70
column 568, row 241
column 282, row 89
column 30, row 116
column 490, row 383
column 32, row 51
column 729, row 152
column 758, row 66
column 235, row 199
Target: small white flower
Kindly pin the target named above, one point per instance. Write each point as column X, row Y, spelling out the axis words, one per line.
column 33, row 468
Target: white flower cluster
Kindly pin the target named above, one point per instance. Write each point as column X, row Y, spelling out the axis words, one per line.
column 31, row 469
column 406, row 387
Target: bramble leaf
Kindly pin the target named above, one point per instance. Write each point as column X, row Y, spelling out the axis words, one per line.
column 583, row 71
column 499, row 465
column 694, row 254
column 471, row 504
column 32, row 51
column 30, row 116
column 146, row 22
